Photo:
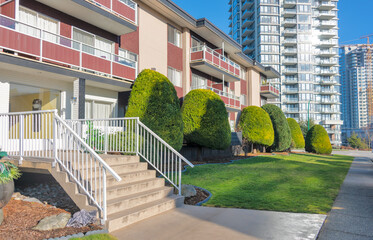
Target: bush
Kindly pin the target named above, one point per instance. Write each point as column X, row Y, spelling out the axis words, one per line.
column 154, row 100
column 256, row 126
column 355, row 142
column 281, row 128
column 296, row 133
column 206, row 120
column 317, row 141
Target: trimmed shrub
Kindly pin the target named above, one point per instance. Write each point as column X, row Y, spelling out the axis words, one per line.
column 296, row 133
column 154, row 100
column 206, row 120
column 281, row 128
column 256, row 126
column 317, row 141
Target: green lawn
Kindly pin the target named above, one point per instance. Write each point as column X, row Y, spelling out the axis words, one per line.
column 296, row 183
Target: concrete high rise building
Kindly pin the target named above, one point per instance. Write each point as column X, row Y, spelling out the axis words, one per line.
column 299, row 38
column 354, row 70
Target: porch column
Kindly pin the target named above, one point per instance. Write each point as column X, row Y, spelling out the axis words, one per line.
column 79, row 99
column 186, row 61
column 4, row 97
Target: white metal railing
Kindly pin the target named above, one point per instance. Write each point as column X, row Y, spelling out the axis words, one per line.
column 221, row 93
column 131, row 136
column 43, row 134
column 129, row 3
column 68, row 43
column 204, row 49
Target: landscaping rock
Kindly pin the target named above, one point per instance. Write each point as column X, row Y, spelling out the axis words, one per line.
column 53, row 222
column 82, row 219
column 188, row 191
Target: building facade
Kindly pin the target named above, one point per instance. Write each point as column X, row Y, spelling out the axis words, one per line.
column 354, row 70
column 81, row 57
column 299, row 38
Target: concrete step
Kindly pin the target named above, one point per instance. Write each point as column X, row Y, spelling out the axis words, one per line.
column 119, row 159
column 137, row 199
column 124, row 218
column 131, row 177
column 123, row 168
column 135, row 187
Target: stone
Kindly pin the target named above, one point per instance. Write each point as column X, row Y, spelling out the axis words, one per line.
column 188, row 191
column 53, row 222
column 32, row 200
column 1, row 216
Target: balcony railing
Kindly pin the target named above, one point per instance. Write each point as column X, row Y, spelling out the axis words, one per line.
column 126, row 9
column 269, row 88
column 59, row 50
column 204, row 53
column 229, row 99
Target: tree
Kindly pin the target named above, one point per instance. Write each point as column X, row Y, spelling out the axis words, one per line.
column 317, row 141
column 154, row 100
column 206, row 120
column 296, row 133
column 256, row 126
column 304, row 126
column 281, row 128
column 355, row 142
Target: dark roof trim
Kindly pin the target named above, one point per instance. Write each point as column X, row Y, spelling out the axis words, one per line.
column 61, row 71
column 181, row 12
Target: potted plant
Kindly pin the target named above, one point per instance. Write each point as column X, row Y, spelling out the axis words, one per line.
column 8, row 172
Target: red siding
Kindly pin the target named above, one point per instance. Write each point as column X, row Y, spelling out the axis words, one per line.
column 130, row 42
column 243, row 87
column 197, row 56
column 19, row 42
column 179, row 92
column 8, row 9
column 232, row 116
column 124, row 10
column 124, row 71
column 232, row 86
column 65, row 30
column 95, row 63
column 59, row 53
column 175, row 57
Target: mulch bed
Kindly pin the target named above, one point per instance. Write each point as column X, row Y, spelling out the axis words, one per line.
column 201, row 195
column 20, row 217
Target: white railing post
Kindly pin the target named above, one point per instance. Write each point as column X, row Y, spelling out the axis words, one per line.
column 41, row 45
column 106, row 135
column 80, row 56
column 137, row 136
column 54, row 139
column 180, row 176
column 104, row 195
column 21, row 138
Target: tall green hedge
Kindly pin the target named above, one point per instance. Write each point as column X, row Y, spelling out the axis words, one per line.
column 317, row 141
column 281, row 128
column 154, row 100
column 206, row 120
column 256, row 126
column 296, row 133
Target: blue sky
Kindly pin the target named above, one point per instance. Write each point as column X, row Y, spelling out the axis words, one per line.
column 355, row 16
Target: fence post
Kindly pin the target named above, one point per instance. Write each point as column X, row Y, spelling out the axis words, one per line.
column 54, row 140
column 106, row 135
column 104, row 206
column 180, row 176
column 137, row 136
column 21, row 138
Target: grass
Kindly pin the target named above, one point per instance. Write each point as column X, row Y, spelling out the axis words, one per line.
column 97, row 237
column 302, row 183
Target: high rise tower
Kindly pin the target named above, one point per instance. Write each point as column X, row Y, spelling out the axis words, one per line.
column 299, row 38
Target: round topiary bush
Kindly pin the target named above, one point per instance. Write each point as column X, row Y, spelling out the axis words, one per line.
column 256, row 126
column 296, row 133
column 317, row 141
column 206, row 120
column 154, row 100
column 281, row 128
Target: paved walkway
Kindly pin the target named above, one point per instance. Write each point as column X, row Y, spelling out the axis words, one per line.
column 191, row 222
column 352, row 214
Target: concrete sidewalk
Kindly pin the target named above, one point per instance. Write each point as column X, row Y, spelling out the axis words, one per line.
column 352, row 214
column 191, row 222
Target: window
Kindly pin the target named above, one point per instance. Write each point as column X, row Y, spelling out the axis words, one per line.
column 174, row 76
column 92, row 44
column 98, row 109
column 198, row 82
column 174, row 36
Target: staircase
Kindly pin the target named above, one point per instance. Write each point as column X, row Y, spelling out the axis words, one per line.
column 138, row 196
column 120, row 187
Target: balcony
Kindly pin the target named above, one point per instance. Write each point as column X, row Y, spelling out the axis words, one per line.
column 290, row 32
column 290, row 22
column 290, row 61
column 116, row 16
column 247, row 31
column 328, row 43
column 327, row 63
column 328, row 24
column 329, row 33
column 247, row 22
column 290, row 41
column 331, row 122
column 291, row 110
column 229, row 99
column 247, row 13
column 290, row 81
column 247, row 4
column 328, row 102
column 213, row 63
column 248, row 49
column 248, row 40
column 269, row 91
column 290, row 71
column 291, row 90
column 290, row 12
column 49, row 48
column 290, row 51
column 326, row 5
column 327, row 53
column 327, row 15
column 289, row 3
